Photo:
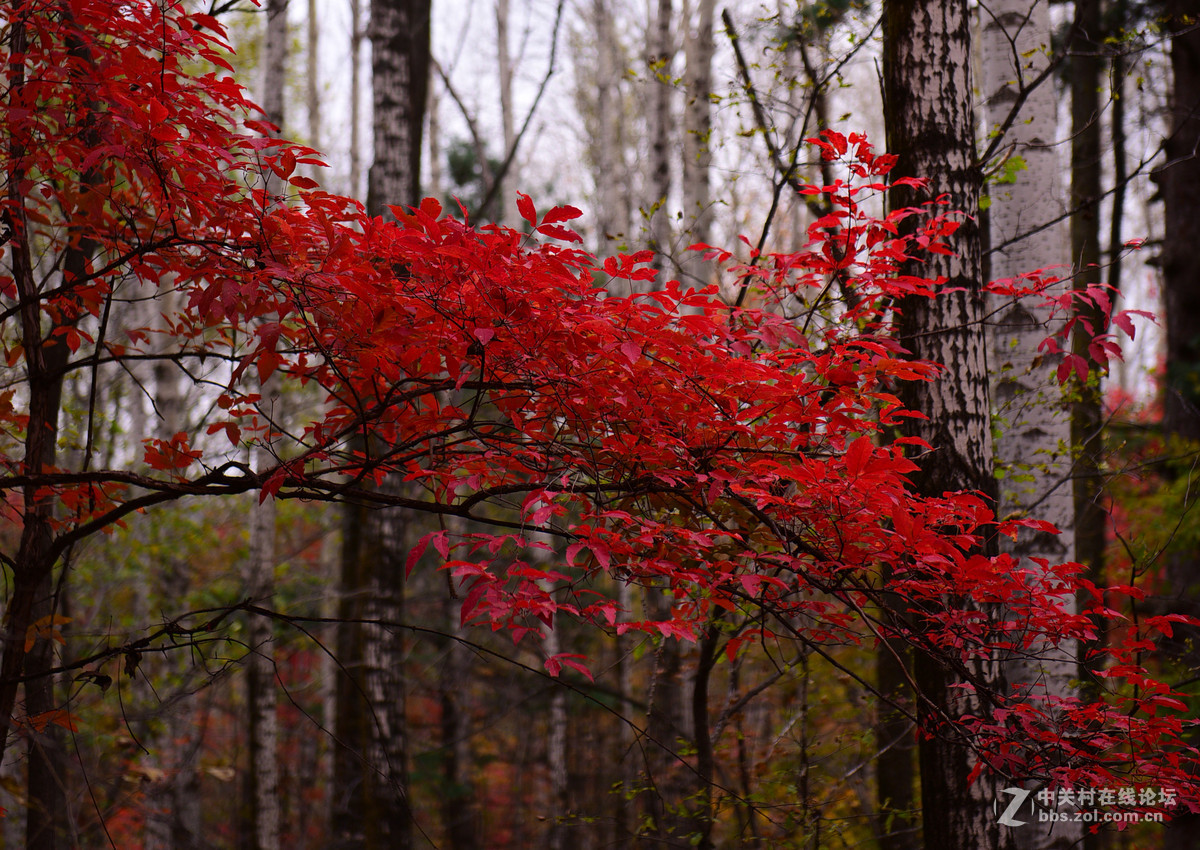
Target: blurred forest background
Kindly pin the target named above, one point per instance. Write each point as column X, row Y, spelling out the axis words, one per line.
column 669, row 122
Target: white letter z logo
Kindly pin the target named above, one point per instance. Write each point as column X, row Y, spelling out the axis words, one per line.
column 1019, row 796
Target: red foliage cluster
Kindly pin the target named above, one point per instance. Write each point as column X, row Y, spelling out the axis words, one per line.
column 744, row 459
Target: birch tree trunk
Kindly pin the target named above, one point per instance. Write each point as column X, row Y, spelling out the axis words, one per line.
column 931, row 128
column 275, row 52
column 261, row 696
column 356, row 40
column 173, row 799
column 1033, row 446
column 370, row 808
column 312, row 95
column 602, row 101
column 506, row 193
column 262, row 776
column 660, row 51
column 697, row 136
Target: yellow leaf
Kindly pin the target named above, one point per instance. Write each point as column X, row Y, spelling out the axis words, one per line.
column 45, row 628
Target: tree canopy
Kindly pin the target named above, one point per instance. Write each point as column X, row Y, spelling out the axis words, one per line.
column 746, row 456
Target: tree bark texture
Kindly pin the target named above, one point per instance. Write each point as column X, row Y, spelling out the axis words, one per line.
column 1179, row 180
column 931, row 128
column 601, row 99
column 672, row 808
column 274, row 69
column 660, row 52
column 399, row 84
column 697, row 132
column 506, row 193
column 1086, row 69
column 356, row 40
column 261, row 695
column 1033, row 444
column 262, row 775
column 312, row 93
column 31, row 597
column 459, row 806
column 370, row 809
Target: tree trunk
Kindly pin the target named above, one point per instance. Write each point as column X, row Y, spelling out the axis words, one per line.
column 506, row 194
column 399, row 85
column 459, row 808
column 261, row 696
column 275, row 51
column 660, row 51
column 312, row 94
column 895, row 768
column 931, row 128
column 262, row 774
column 31, row 588
column 601, row 99
column 1179, row 182
column 1086, row 43
column 356, row 40
column 371, row 808
column 556, row 752
column 672, row 809
column 1179, row 179
column 1033, row 417
column 697, row 130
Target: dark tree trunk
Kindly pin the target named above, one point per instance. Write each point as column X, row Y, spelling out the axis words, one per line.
column 895, row 768
column 400, row 60
column 931, row 128
column 371, row 807
column 1179, row 179
column 1086, row 68
column 1179, row 182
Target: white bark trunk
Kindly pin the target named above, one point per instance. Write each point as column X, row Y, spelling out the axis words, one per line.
column 506, row 195
column 275, row 44
column 1033, row 446
column 437, row 182
column 601, row 98
column 173, row 807
column 697, row 130
column 356, row 40
column 262, row 697
column 312, row 94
